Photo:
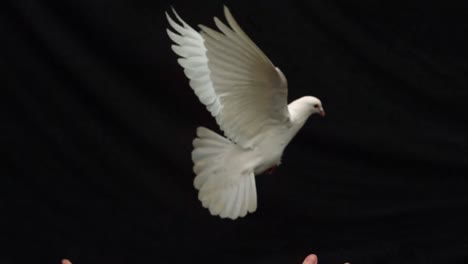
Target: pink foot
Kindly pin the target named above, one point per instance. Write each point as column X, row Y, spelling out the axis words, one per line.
column 271, row 170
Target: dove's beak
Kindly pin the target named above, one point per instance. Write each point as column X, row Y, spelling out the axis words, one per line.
column 322, row 113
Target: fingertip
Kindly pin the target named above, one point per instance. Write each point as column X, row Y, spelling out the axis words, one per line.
column 66, row 261
column 311, row 259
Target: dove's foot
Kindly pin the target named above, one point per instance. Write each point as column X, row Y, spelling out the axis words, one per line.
column 271, row 170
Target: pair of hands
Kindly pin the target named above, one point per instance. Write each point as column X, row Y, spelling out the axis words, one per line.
column 311, row 259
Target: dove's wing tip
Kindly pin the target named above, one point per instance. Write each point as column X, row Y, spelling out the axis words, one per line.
column 171, row 7
column 226, row 9
column 169, row 10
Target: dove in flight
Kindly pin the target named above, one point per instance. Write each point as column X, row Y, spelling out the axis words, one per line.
column 247, row 95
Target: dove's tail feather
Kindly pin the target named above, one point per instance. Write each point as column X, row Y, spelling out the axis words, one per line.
column 226, row 184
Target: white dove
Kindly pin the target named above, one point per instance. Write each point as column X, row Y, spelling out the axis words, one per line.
column 247, row 95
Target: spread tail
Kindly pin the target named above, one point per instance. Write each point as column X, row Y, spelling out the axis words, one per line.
column 224, row 180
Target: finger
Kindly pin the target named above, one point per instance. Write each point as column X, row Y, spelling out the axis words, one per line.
column 311, row 259
column 66, row 261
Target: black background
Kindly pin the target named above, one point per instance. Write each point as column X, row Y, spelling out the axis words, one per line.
column 98, row 119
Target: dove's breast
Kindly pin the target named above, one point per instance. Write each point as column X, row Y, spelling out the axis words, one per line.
column 271, row 145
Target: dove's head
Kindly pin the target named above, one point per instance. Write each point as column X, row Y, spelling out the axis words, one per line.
column 304, row 107
column 314, row 105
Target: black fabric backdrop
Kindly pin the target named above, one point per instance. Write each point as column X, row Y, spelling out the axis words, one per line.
column 98, row 120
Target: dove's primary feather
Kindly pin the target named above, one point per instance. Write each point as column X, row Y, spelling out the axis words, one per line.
column 247, row 95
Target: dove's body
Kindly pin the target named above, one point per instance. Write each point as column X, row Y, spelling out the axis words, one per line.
column 271, row 144
column 248, row 97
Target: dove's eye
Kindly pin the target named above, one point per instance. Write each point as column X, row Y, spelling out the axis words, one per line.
column 316, row 105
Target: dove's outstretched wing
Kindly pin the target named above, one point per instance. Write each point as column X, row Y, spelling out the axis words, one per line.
column 236, row 81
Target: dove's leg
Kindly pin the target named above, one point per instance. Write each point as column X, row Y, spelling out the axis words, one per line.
column 271, row 170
